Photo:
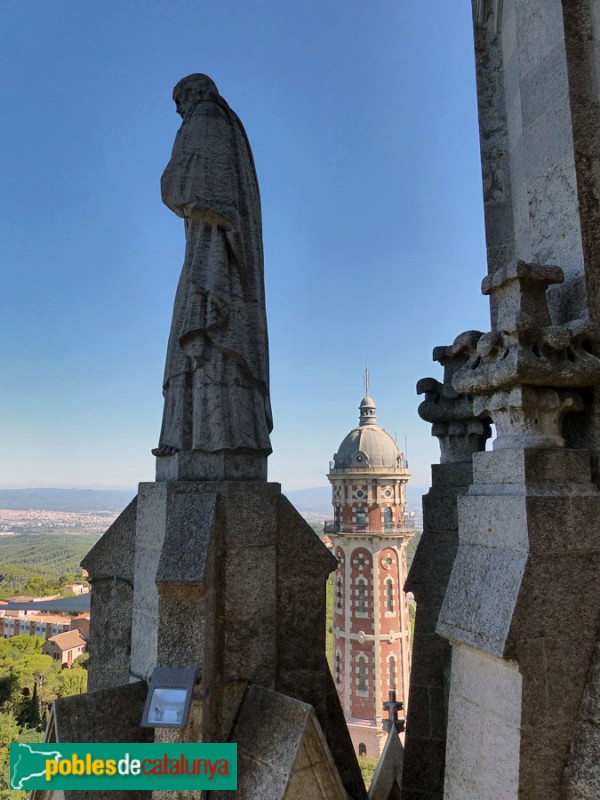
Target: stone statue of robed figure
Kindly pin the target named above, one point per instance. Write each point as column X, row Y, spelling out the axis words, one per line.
column 217, row 414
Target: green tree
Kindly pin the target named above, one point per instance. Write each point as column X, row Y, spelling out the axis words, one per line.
column 83, row 660
column 23, row 668
column 30, row 715
column 367, row 767
column 9, row 732
column 74, row 681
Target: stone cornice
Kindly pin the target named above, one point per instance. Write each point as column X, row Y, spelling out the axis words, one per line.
column 525, row 348
column 524, row 372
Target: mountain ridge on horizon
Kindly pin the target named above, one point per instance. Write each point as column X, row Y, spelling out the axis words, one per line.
column 66, row 500
column 314, row 500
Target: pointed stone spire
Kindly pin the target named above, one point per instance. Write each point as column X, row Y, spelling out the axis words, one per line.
column 386, row 781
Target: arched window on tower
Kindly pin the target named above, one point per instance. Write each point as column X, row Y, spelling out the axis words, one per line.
column 388, row 521
column 392, row 672
column 361, row 670
column 338, row 667
column 339, row 595
column 361, row 596
column 362, row 749
column 389, row 595
column 361, row 517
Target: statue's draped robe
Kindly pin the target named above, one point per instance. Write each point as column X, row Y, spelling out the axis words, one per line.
column 217, row 371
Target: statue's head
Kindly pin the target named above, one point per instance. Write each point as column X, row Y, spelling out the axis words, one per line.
column 192, row 90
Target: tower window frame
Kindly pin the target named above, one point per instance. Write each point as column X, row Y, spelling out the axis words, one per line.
column 338, row 667
column 392, row 673
column 389, row 597
column 361, row 597
column 339, row 594
column 361, row 674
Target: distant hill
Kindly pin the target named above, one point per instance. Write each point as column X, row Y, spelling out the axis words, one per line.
column 314, row 501
column 65, row 499
column 311, row 501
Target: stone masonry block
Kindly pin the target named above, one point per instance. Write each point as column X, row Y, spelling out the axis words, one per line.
column 110, row 564
column 111, row 634
column 451, row 477
column 149, row 536
column 113, row 553
column 481, row 678
column 481, row 597
column 419, row 712
column 108, row 715
column 249, row 513
column 190, row 521
column 542, row 87
column 540, row 29
column 546, row 749
column 152, row 514
column 562, row 525
column 250, row 616
column 181, row 626
column 567, row 663
column 474, row 771
column 144, row 642
column 439, row 513
column 535, row 466
column 424, row 770
column 582, row 777
column 494, row 522
column 430, row 652
column 145, row 595
column 551, row 605
column 431, row 566
column 438, row 713
column 282, row 752
column 303, row 566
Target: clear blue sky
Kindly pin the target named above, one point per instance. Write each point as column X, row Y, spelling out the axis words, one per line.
column 362, row 118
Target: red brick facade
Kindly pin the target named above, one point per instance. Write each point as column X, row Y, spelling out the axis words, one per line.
column 370, row 529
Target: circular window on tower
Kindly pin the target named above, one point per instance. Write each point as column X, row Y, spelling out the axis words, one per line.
column 360, row 493
column 387, row 493
column 359, row 458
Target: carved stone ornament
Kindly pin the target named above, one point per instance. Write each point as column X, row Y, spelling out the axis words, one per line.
column 527, row 416
column 525, row 348
column 217, row 412
column 453, row 421
column 526, row 351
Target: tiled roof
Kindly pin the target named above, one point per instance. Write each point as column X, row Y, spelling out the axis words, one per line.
column 49, row 619
column 67, row 640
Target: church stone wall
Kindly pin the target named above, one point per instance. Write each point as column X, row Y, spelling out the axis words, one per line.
column 488, row 730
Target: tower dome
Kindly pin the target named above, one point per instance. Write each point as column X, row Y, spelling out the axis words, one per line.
column 368, row 445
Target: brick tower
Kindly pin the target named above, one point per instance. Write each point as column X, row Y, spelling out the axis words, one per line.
column 370, row 530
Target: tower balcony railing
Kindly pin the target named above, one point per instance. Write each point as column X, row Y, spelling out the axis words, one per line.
column 331, row 526
column 401, row 470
